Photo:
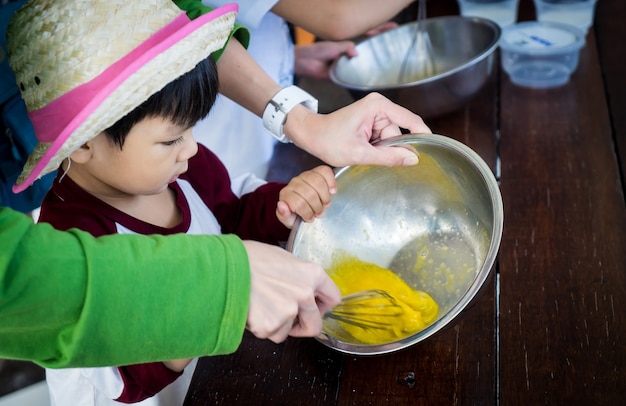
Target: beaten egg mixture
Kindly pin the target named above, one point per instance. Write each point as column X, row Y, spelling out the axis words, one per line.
column 419, row 309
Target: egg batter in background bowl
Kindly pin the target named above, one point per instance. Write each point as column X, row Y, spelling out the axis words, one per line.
column 435, row 226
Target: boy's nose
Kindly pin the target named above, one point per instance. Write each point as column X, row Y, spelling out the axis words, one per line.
column 189, row 149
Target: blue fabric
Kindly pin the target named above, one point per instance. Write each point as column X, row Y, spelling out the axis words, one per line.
column 17, row 136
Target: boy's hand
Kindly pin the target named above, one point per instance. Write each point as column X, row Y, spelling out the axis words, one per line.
column 306, row 195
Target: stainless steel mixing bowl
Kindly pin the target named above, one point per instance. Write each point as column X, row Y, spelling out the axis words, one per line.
column 445, row 212
column 464, row 55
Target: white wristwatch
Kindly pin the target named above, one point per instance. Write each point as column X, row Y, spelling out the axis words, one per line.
column 282, row 103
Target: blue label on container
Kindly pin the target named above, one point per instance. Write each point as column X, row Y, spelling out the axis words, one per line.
column 539, row 37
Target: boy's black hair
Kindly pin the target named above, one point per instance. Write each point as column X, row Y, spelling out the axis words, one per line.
column 185, row 101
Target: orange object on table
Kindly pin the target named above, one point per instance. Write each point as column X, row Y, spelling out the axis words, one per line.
column 303, row 37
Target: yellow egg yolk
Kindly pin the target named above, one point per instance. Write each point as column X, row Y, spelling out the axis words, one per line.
column 418, row 308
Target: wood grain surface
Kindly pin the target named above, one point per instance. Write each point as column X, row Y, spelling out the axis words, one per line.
column 549, row 327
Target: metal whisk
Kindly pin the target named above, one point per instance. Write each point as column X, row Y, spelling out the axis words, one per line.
column 418, row 61
column 367, row 309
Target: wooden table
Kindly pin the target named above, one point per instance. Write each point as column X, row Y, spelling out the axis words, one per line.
column 551, row 326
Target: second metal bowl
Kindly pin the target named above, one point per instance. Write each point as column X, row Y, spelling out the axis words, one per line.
column 464, row 55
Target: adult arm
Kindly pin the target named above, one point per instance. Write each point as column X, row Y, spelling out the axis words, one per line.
column 327, row 19
column 68, row 299
column 339, row 20
column 340, row 138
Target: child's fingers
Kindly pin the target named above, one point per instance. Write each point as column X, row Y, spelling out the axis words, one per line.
column 310, row 193
column 329, row 177
column 319, row 185
column 302, row 200
column 305, row 203
column 285, row 215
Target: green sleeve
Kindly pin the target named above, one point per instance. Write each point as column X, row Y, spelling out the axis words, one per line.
column 69, row 300
column 195, row 8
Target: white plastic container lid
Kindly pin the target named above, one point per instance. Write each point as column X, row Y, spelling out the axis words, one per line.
column 541, row 38
column 540, row 54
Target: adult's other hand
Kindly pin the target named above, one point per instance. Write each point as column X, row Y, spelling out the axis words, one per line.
column 288, row 296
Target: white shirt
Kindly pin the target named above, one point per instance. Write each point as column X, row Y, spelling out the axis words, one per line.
column 234, row 134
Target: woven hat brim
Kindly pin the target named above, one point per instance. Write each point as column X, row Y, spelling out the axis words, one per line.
column 146, row 76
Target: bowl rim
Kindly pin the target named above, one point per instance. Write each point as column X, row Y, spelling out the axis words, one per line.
column 485, row 53
column 482, row 274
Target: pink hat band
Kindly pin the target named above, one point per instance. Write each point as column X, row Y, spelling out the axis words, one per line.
column 67, row 120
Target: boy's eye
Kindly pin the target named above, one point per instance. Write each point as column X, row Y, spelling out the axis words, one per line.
column 173, row 142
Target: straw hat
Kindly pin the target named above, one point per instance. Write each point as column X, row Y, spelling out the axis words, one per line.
column 81, row 65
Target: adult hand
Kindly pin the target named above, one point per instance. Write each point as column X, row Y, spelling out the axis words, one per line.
column 314, row 60
column 288, row 296
column 344, row 136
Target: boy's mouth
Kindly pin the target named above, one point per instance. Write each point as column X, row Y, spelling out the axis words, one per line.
column 178, row 174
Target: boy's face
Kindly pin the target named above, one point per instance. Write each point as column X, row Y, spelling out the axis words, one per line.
column 154, row 154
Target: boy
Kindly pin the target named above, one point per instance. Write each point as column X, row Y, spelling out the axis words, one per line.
column 131, row 164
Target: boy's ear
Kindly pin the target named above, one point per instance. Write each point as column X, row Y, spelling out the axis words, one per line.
column 82, row 154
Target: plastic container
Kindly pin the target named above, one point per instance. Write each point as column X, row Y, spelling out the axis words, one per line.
column 579, row 13
column 502, row 12
column 540, row 54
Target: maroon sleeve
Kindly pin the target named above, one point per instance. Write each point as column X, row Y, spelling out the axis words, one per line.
column 66, row 206
column 253, row 216
column 257, row 220
column 142, row 381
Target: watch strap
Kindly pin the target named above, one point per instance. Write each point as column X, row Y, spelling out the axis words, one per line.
column 282, row 103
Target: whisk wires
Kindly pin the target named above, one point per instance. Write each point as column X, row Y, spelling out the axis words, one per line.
column 418, row 61
column 368, row 309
